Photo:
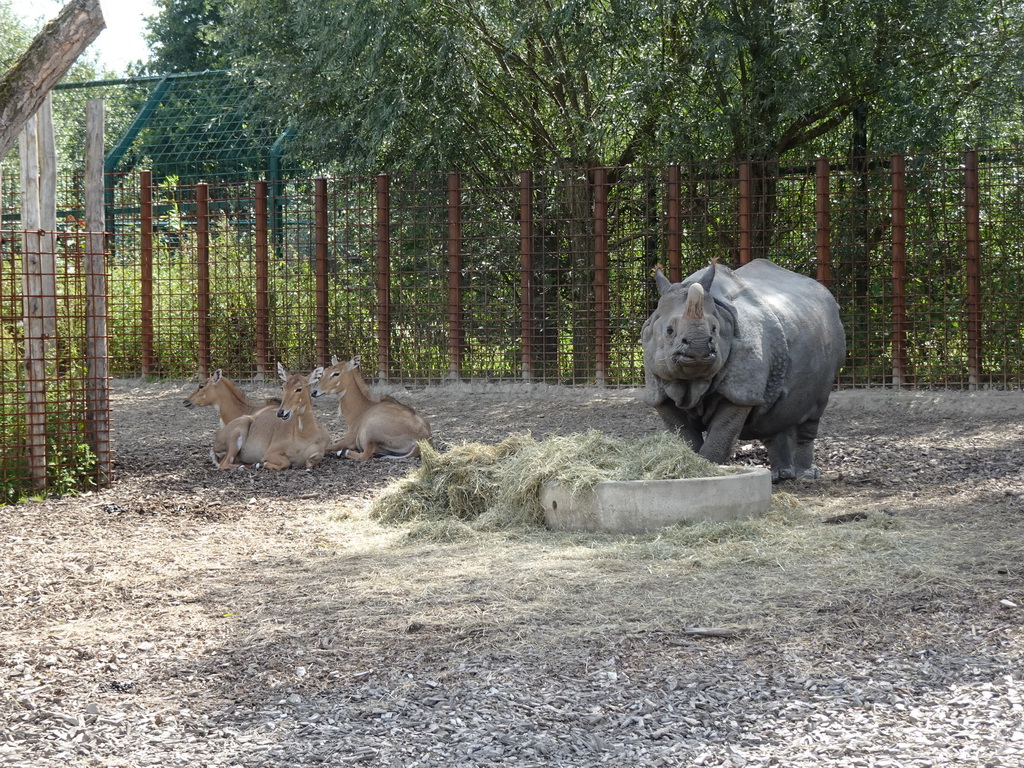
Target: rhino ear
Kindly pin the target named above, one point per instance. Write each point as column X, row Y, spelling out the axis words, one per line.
column 708, row 277
column 663, row 282
column 695, row 302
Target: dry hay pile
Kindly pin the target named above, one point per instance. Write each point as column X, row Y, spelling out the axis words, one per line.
column 497, row 486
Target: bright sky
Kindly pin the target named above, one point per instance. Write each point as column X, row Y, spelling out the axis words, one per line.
column 120, row 43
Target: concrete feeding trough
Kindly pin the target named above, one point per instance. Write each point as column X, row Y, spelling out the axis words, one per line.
column 638, row 506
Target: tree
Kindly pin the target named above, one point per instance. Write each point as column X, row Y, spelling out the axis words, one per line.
column 423, row 84
column 15, row 35
column 785, row 76
column 420, row 83
column 48, row 58
column 179, row 35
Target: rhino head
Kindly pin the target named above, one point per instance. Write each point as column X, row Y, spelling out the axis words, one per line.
column 690, row 333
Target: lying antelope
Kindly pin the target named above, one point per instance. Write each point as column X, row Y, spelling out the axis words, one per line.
column 373, row 426
column 276, row 438
column 224, row 395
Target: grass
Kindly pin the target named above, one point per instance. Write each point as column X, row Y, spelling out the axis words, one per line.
column 469, row 519
column 778, row 571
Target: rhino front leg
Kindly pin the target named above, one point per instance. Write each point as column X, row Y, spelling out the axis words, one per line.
column 722, row 432
column 676, row 420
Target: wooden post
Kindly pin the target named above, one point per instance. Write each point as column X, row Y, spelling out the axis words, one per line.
column 972, row 214
column 526, row 287
column 899, row 270
column 39, row 210
column 823, row 222
column 455, row 333
column 146, row 268
column 601, row 302
column 264, row 370
column 33, row 303
column 383, row 277
column 97, row 358
column 203, row 276
column 320, row 270
column 675, row 224
column 47, row 148
column 745, row 212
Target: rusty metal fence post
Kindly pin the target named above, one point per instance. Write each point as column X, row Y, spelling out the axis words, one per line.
column 745, row 209
column 203, row 277
column 455, row 332
column 146, row 268
column 320, row 268
column 264, row 369
column 674, row 224
column 972, row 215
column 823, row 221
column 601, row 311
column 383, row 277
column 899, row 270
column 526, row 284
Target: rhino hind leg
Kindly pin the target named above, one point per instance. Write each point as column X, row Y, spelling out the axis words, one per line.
column 781, row 450
column 804, row 458
column 791, row 453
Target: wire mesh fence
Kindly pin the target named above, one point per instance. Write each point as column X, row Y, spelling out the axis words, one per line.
column 55, row 433
column 184, row 126
column 545, row 275
column 541, row 276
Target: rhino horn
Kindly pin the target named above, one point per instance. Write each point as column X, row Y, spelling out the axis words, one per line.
column 695, row 302
column 663, row 282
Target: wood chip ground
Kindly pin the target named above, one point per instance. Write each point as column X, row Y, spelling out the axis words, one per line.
column 189, row 617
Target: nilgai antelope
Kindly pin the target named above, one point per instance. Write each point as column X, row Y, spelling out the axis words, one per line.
column 224, row 395
column 276, row 438
column 373, row 426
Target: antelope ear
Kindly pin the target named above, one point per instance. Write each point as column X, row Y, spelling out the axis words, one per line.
column 354, row 362
column 315, row 375
column 334, row 359
column 217, row 375
column 663, row 282
column 695, row 302
column 282, row 372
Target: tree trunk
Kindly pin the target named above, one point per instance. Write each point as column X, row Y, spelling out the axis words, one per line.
column 51, row 54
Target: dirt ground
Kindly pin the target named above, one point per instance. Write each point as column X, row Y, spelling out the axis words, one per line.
column 190, row 617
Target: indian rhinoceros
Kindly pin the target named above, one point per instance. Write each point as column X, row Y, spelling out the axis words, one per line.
column 749, row 353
